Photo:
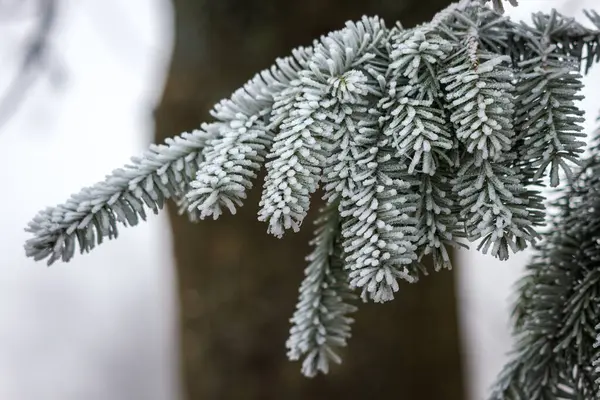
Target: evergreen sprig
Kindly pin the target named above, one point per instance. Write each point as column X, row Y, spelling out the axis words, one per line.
column 419, row 138
column 241, row 138
column 164, row 171
column 321, row 322
column 556, row 315
column 548, row 119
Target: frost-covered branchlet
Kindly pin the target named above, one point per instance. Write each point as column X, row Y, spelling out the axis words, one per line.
column 548, row 119
column 557, row 311
column 321, row 322
column 378, row 217
column 479, row 94
column 417, row 125
column 491, row 207
column 377, row 228
column 298, row 153
column 418, row 138
column 91, row 215
column 242, row 139
column 437, row 225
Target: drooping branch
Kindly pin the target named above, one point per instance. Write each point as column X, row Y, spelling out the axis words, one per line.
column 419, row 137
column 321, row 323
column 556, row 313
column 89, row 216
column 230, row 158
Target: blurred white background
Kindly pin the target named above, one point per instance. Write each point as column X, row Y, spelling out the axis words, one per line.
column 101, row 326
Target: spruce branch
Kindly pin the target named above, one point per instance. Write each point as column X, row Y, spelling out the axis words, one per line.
column 89, row 216
column 557, row 311
column 416, row 122
column 548, row 119
column 241, row 141
column 378, row 217
column 297, row 156
column 478, row 92
column 321, row 322
column 419, row 138
column 567, row 34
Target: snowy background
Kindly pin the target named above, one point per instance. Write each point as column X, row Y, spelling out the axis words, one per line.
column 100, row 327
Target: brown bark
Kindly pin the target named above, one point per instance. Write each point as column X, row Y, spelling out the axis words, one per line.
column 238, row 286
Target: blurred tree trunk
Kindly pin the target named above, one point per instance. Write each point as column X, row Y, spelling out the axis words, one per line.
column 237, row 285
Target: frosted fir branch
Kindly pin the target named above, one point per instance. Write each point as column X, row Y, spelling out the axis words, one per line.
column 347, row 104
column 497, row 33
column 380, row 236
column 377, row 220
column 242, row 139
column 411, row 100
column 478, row 91
column 534, row 371
column 415, row 53
column 379, row 233
column 414, row 135
column 570, row 37
column 297, row 156
column 554, row 356
column 230, row 165
column 93, row 214
column 342, row 174
column 492, row 209
column 340, row 167
column 554, row 296
column 419, row 132
column 223, row 182
column 321, row 323
column 492, row 30
column 379, row 216
column 508, row 384
column 352, row 174
column 416, row 123
column 437, row 224
column 410, row 113
column 417, row 128
column 548, row 119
